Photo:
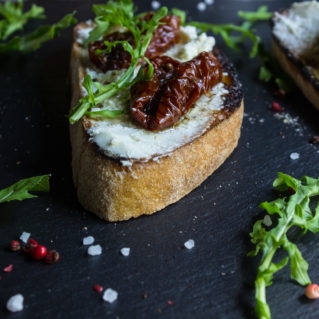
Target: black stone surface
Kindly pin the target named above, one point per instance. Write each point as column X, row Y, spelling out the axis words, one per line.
column 213, row 280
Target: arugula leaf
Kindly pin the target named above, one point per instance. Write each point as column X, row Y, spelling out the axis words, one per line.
column 121, row 13
column 225, row 31
column 21, row 189
column 293, row 210
column 181, row 14
column 261, row 14
column 14, row 18
column 34, row 40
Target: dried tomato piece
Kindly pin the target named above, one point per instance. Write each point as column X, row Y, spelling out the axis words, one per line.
column 117, row 59
column 173, row 89
column 166, row 35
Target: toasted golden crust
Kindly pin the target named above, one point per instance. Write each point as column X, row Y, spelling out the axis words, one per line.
column 115, row 192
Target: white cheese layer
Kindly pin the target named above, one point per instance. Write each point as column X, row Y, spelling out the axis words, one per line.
column 298, row 29
column 121, row 138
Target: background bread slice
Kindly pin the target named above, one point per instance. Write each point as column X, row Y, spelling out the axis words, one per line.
column 303, row 75
column 298, row 71
column 116, row 192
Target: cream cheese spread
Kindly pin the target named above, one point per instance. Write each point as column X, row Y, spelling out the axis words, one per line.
column 298, row 29
column 121, row 138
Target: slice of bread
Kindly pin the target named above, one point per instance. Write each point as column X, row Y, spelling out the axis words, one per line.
column 295, row 43
column 114, row 191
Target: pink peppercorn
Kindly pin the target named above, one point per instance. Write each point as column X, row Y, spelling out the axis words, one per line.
column 276, row 107
column 38, row 252
column 98, row 288
column 312, row 291
column 15, row 245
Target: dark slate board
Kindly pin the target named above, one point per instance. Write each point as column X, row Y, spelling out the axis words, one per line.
column 215, row 279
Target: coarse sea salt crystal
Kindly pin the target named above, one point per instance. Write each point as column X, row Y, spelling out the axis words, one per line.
column 209, row 2
column 294, row 156
column 15, row 303
column 201, row 6
column 125, row 251
column 89, row 240
column 189, row 244
column 95, row 250
column 155, row 5
column 25, row 237
column 110, row 295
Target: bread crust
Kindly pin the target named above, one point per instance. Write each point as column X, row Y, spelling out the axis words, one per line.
column 115, row 192
column 297, row 69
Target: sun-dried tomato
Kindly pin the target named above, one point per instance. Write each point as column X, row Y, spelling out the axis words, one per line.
column 173, row 89
column 117, row 59
column 166, row 35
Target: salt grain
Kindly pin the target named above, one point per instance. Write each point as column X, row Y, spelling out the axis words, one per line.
column 189, row 244
column 15, row 303
column 125, row 251
column 25, row 237
column 95, row 250
column 209, row 2
column 294, row 156
column 89, row 240
column 110, row 295
column 155, row 5
column 201, row 6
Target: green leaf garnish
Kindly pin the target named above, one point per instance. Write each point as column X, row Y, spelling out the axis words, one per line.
column 120, row 13
column 181, row 14
column 261, row 14
column 293, row 210
column 21, row 190
column 14, row 18
column 34, row 40
column 225, row 30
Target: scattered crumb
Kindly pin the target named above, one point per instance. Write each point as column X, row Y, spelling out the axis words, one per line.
column 89, row 240
column 8, row 268
column 209, row 2
column 267, row 220
column 155, row 5
column 223, row 273
column 125, row 251
column 110, row 295
column 25, row 237
column 15, row 303
column 95, row 250
column 47, row 209
column 294, row 156
column 18, row 162
column 85, row 228
column 189, row 244
column 201, row 6
column 288, row 119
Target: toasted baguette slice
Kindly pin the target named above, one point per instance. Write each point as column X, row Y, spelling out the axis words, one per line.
column 116, row 192
column 295, row 43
